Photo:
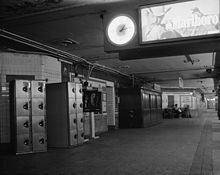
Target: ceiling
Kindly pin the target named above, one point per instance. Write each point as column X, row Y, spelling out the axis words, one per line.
column 76, row 26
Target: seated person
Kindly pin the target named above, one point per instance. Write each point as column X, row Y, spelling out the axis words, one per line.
column 177, row 111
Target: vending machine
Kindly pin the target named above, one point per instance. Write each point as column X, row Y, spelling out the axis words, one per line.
column 65, row 114
column 28, row 116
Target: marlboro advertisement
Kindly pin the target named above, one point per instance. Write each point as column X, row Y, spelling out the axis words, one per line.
column 185, row 19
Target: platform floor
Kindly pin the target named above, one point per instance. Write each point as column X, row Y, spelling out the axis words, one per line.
column 175, row 147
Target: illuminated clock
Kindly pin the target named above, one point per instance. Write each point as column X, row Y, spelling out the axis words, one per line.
column 121, row 30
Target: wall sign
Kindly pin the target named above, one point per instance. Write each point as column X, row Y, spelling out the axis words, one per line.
column 179, row 20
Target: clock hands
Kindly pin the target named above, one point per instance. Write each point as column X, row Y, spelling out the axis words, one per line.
column 123, row 28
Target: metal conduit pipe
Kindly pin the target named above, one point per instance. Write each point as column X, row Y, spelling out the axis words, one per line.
column 65, row 55
column 38, row 45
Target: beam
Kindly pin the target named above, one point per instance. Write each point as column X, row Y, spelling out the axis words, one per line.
column 170, row 71
column 175, row 79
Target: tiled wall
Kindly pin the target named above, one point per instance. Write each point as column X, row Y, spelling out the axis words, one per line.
column 40, row 66
column 51, row 69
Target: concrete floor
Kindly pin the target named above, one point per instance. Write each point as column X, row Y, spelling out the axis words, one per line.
column 175, row 147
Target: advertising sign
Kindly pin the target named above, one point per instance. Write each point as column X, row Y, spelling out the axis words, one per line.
column 179, row 20
column 92, row 101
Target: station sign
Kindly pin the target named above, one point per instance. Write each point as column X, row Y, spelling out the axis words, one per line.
column 181, row 20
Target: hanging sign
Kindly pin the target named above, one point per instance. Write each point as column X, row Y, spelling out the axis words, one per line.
column 179, row 20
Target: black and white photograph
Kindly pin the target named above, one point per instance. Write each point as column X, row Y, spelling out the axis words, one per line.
column 109, row 87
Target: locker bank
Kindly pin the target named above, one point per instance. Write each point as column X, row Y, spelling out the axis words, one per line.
column 109, row 87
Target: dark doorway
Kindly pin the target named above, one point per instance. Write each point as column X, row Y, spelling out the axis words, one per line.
column 170, row 101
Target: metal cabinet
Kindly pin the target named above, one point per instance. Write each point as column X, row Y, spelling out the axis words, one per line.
column 28, row 116
column 65, row 114
column 139, row 107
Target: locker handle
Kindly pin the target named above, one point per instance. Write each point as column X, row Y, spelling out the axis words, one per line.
column 81, row 105
column 74, row 105
column 26, row 124
column 73, row 90
column 75, row 136
column 41, row 141
column 82, row 135
column 25, row 106
column 40, row 106
column 41, row 123
column 81, row 120
column 80, row 90
column 25, row 88
column 40, row 89
column 74, row 121
column 26, row 142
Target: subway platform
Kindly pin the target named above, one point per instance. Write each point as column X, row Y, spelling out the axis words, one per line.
column 184, row 146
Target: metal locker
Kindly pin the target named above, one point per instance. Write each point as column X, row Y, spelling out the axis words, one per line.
column 38, row 96
column 73, row 129
column 71, row 90
column 78, row 91
column 23, row 144
column 64, row 104
column 22, row 88
column 23, row 107
column 37, row 89
column 27, row 99
column 39, row 142
column 38, row 106
column 38, row 124
column 79, row 105
column 23, row 125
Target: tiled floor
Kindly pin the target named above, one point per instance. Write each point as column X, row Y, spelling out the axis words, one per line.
column 175, row 147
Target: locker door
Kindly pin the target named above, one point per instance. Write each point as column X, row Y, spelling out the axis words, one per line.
column 72, row 106
column 38, row 124
column 71, row 90
column 23, row 107
column 23, row 125
column 78, row 91
column 79, row 106
column 23, row 144
column 38, row 107
column 39, row 142
column 38, row 89
column 22, row 88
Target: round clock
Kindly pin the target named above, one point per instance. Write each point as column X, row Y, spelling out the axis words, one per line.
column 121, row 30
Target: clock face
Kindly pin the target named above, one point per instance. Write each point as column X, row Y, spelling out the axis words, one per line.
column 121, row 30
